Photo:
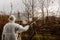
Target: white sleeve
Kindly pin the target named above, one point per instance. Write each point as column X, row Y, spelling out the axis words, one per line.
column 22, row 29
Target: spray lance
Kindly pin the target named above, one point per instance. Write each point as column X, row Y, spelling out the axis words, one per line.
column 34, row 21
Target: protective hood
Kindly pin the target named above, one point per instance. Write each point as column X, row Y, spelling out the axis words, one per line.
column 12, row 18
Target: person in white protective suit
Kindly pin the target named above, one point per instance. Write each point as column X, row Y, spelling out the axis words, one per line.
column 11, row 29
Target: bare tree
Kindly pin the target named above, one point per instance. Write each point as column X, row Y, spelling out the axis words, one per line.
column 11, row 8
column 41, row 3
column 27, row 8
column 59, row 8
column 30, row 5
column 47, row 4
column 44, row 4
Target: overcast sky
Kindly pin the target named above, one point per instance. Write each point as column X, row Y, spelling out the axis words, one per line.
column 5, row 5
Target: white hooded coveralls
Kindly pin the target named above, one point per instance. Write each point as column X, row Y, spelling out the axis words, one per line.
column 11, row 29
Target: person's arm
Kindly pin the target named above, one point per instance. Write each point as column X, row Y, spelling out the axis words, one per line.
column 22, row 29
